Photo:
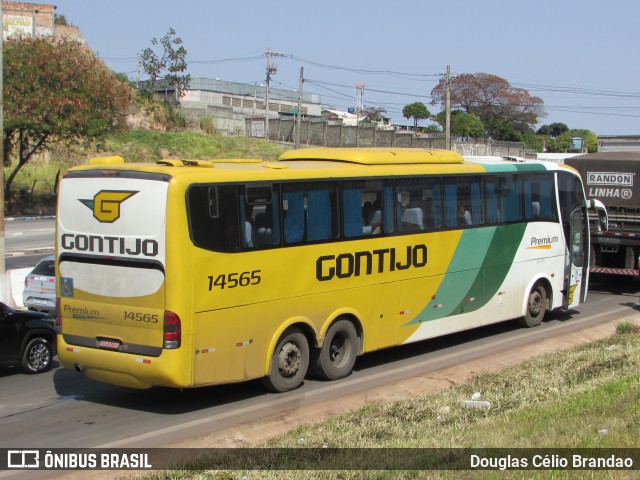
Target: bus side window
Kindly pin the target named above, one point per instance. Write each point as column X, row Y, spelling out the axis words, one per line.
column 367, row 208
column 419, row 204
column 213, row 228
column 538, row 197
column 510, row 204
column 267, row 225
column 451, row 210
column 309, row 212
column 477, row 210
column 261, row 228
column 293, row 209
column 546, row 198
column 468, row 203
column 318, row 214
column 246, row 223
column 493, row 212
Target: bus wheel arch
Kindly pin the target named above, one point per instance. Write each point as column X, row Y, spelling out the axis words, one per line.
column 337, row 355
column 536, row 303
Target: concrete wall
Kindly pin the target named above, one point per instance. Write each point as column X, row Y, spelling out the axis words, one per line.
column 619, row 143
column 326, row 134
column 14, row 286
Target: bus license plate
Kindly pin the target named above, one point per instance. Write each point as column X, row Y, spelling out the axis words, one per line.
column 109, row 344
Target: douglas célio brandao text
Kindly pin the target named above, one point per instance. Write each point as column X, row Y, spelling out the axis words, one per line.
column 550, row 461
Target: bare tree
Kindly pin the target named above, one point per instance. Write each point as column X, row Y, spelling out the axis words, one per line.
column 172, row 59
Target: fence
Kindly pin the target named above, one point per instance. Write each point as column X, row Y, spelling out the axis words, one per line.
column 326, row 134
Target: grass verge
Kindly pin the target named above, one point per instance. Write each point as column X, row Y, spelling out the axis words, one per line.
column 33, row 189
column 586, row 397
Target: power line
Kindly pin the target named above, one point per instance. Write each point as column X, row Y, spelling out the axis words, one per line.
column 228, row 60
column 412, row 95
column 332, row 89
column 364, row 71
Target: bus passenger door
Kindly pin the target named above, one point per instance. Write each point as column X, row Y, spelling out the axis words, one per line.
column 576, row 276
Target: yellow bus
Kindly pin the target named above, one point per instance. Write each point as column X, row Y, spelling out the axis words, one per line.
column 191, row 273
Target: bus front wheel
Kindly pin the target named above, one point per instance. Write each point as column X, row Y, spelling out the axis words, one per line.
column 338, row 353
column 289, row 362
column 536, row 307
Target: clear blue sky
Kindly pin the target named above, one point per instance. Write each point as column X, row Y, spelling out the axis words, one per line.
column 581, row 57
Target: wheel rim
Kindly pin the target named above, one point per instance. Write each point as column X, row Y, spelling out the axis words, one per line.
column 535, row 303
column 289, row 360
column 39, row 357
column 339, row 346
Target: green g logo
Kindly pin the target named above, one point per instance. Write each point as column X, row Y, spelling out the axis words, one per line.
column 106, row 204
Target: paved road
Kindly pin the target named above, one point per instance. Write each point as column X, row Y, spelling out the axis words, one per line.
column 64, row 409
column 27, row 241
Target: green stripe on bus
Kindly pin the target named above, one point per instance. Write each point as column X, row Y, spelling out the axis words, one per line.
column 478, row 267
column 516, row 167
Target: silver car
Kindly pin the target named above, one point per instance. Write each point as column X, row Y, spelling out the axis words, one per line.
column 40, row 286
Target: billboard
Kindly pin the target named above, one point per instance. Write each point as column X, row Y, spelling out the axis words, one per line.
column 16, row 25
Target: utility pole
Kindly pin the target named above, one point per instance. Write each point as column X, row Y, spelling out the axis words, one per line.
column 299, row 112
column 270, row 69
column 359, row 106
column 447, row 128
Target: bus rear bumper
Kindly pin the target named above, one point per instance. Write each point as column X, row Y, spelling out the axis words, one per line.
column 116, row 368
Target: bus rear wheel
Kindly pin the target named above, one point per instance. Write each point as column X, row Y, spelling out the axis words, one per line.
column 289, row 362
column 536, row 307
column 338, row 353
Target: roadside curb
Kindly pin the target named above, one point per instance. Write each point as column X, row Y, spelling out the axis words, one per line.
column 29, row 217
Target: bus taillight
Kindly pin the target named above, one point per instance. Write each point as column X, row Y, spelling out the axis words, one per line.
column 172, row 330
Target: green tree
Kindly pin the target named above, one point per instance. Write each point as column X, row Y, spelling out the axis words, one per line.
column 503, row 109
column 56, row 91
column 418, row 111
column 172, row 59
column 554, row 130
column 373, row 114
column 464, row 125
column 432, row 129
column 589, row 140
column 533, row 141
column 60, row 19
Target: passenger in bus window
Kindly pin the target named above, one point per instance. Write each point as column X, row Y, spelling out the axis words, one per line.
column 376, row 218
column 248, row 227
column 465, row 216
column 412, row 220
column 367, row 212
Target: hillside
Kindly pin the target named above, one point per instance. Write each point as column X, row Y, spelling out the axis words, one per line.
column 33, row 192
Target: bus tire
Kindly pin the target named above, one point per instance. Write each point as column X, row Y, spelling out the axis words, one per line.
column 289, row 362
column 536, row 307
column 338, row 353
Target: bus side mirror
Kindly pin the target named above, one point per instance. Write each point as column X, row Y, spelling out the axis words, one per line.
column 601, row 212
column 604, row 223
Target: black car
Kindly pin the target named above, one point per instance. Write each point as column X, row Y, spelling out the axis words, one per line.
column 28, row 337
